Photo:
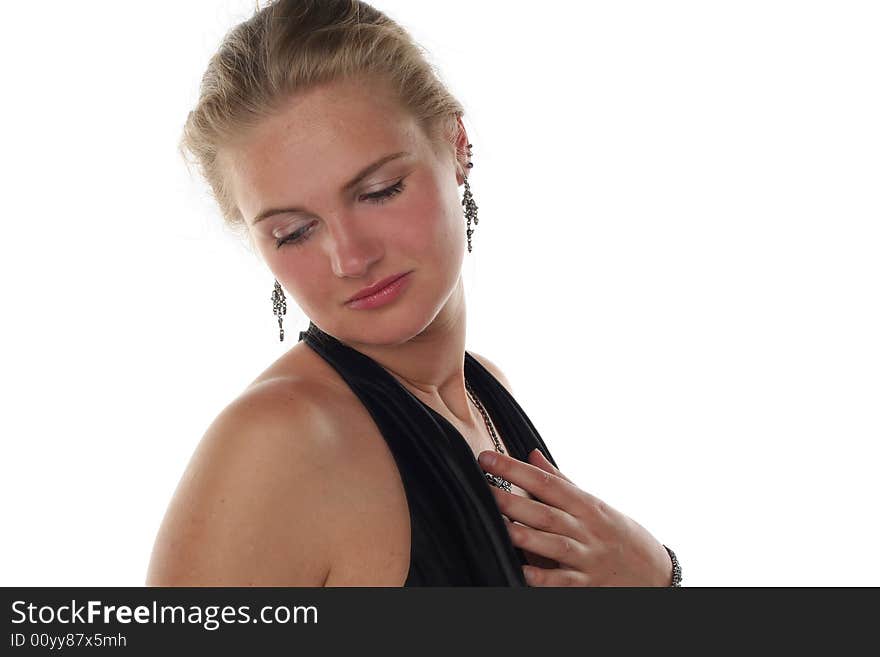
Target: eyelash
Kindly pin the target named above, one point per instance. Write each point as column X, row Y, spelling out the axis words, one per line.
column 299, row 236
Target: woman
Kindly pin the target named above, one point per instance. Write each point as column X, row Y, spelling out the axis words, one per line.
column 330, row 143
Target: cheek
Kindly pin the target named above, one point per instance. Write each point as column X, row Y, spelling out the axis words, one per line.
column 428, row 224
column 302, row 274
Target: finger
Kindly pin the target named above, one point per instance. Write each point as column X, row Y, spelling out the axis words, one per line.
column 545, row 486
column 565, row 550
column 536, row 457
column 555, row 577
column 536, row 514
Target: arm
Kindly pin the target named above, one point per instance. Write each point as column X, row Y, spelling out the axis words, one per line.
column 252, row 508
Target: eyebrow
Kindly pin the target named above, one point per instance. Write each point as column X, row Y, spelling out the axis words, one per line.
column 366, row 171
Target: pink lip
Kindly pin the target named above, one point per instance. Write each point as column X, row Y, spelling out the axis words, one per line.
column 380, row 294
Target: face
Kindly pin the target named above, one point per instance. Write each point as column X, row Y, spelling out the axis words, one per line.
column 326, row 240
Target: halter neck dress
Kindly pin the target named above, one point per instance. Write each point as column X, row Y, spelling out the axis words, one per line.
column 458, row 534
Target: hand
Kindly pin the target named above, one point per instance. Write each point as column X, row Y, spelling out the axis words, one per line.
column 591, row 543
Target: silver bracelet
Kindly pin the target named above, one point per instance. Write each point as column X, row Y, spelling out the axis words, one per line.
column 676, row 568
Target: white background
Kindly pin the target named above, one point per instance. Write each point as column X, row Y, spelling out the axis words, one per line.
column 676, row 265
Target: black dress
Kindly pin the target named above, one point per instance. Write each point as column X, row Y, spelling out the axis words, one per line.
column 458, row 534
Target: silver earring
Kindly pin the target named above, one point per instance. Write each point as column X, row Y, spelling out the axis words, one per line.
column 470, row 208
column 279, row 307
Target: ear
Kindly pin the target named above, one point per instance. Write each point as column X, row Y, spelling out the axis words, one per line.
column 461, row 152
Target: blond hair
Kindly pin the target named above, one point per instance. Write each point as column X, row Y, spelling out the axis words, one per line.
column 291, row 46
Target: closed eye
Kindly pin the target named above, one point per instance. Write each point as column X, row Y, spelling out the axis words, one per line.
column 301, row 235
column 385, row 194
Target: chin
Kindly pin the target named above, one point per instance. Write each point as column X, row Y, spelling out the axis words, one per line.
column 376, row 328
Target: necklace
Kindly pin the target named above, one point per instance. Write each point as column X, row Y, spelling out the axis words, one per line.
column 494, row 480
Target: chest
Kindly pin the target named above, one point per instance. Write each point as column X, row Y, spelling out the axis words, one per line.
column 375, row 550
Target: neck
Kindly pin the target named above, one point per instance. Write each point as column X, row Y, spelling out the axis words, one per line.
column 431, row 364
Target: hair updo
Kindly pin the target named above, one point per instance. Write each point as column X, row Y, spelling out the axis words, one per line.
column 291, row 46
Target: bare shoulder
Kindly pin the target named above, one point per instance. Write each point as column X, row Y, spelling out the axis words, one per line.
column 494, row 370
column 253, row 504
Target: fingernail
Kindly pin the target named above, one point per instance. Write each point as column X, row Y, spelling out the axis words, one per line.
column 487, row 459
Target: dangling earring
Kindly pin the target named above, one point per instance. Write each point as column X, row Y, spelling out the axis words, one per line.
column 279, row 306
column 470, row 208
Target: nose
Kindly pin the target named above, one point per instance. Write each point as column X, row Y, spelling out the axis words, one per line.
column 352, row 253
